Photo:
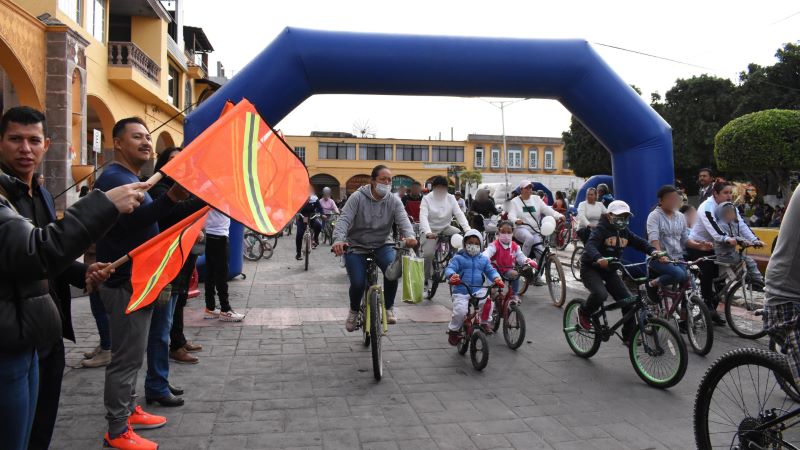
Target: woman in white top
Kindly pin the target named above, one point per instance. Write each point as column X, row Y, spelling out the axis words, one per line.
column 435, row 215
column 589, row 213
column 528, row 209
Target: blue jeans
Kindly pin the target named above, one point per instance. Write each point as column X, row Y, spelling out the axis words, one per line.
column 356, row 265
column 156, row 383
column 669, row 273
column 19, row 376
column 101, row 319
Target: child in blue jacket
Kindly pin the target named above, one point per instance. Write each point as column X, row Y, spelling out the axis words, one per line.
column 469, row 266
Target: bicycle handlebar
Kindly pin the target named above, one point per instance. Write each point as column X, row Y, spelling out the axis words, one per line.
column 475, row 289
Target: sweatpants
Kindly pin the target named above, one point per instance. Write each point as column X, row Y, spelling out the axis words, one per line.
column 461, row 307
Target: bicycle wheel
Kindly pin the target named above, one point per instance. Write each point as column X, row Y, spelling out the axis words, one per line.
column 787, row 387
column 658, row 354
column 698, row 325
column 575, row 263
column 524, row 281
column 562, row 238
column 740, row 392
column 435, row 280
column 554, row 275
column 463, row 344
column 514, row 328
column 363, row 324
column 584, row 343
column 268, row 250
column 307, row 250
column 273, row 240
column 376, row 332
column 497, row 311
column 253, row 247
column 479, row 350
column 743, row 307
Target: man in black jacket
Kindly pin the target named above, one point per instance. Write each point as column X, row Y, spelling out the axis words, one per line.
column 608, row 239
column 29, row 318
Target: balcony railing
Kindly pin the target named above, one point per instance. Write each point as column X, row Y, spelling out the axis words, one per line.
column 128, row 54
column 196, row 60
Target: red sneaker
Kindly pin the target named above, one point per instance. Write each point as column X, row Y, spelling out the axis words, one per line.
column 140, row 420
column 583, row 319
column 129, row 441
column 453, row 337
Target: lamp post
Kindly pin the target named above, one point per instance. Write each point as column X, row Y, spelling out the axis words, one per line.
column 502, row 106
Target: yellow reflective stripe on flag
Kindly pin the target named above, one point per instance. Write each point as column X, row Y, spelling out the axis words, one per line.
column 157, row 274
column 251, row 182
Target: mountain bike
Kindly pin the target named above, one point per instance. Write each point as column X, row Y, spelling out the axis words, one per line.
column 737, row 290
column 507, row 311
column 575, row 261
column 441, row 258
column 471, row 336
column 257, row 246
column 656, row 350
column 308, row 238
column 329, row 223
column 549, row 265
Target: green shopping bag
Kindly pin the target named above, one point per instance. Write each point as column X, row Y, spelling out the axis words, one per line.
column 413, row 278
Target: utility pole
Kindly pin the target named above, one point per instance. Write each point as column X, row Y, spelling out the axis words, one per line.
column 502, row 106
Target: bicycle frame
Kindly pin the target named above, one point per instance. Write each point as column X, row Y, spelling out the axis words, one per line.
column 372, row 281
column 545, row 251
column 472, row 320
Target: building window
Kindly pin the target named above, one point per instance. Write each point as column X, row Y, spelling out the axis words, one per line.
column 479, row 161
column 172, row 85
column 337, row 150
column 301, row 153
column 375, row 152
column 448, row 153
column 514, row 157
column 187, row 95
column 549, row 163
column 72, row 8
column 412, row 152
column 96, row 18
column 533, row 158
column 495, row 157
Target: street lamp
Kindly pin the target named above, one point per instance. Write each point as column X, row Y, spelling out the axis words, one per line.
column 502, row 106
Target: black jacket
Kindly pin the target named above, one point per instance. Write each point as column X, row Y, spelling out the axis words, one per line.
column 33, row 255
column 486, row 208
column 606, row 241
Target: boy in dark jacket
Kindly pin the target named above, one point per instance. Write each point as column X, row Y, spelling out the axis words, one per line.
column 608, row 239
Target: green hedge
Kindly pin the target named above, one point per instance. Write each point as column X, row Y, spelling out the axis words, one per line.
column 760, row 141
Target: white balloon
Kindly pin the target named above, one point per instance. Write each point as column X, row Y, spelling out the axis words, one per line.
column 456, row 240
column 548, row 226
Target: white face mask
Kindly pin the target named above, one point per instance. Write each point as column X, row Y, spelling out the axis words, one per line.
column 383, row 189
column 439, row 193
column 473, row 249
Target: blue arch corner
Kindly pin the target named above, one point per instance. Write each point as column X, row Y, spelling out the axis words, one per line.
column 300, row 63
column 592, row 182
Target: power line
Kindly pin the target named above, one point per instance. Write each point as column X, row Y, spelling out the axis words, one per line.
column 785, row 18
column 653, row 56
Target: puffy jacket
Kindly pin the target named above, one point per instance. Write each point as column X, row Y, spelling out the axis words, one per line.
column 30, row 255
column 606, row 241
column 471, row 269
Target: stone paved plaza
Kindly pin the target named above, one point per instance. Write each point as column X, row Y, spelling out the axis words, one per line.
column 290, row 376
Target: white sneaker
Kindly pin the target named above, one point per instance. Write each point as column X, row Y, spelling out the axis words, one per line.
column 230, row 316
column 90, row 355
column 102, row 358
column 208, row 314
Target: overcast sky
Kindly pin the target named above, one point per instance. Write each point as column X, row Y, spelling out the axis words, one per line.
column 720, row 36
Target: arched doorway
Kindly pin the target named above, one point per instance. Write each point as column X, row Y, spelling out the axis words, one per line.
column 16, row 86
column 401, row 180
column 356, row 182
column 164, row 142
column 322, row 180
column 98, row 117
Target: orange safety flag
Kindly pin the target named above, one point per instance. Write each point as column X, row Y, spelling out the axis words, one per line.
column 158, row 261
column 241, row 167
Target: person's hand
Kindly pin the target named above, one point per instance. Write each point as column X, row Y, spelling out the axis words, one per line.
column 431, row 235
column 411, row 242
column 707, row 246
column 758, row 243
column 663, row 259
column 561, row 219
column 177, row 193
column 499, row 283
column 338, row 248
column 603, row 263
column 96, row 274
column 731, row 241
column 455, row 279
column 532, row 263
column 200, row 237
column 128, row 196
column 518, row 222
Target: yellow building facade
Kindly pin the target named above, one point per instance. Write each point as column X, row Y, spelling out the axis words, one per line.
column 89, row 63
column 343, row 161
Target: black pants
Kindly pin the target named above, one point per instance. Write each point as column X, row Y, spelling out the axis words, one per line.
column 583, row 234
column 602, row 283
column 316, row 227
column 217, row 253
column 708, row 271
column 176, row 337
column 51, row 371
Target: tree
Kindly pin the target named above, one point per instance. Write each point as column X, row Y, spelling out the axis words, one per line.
column 586, row 155
column 470, row 177
column 775, row 86
column 761, row 143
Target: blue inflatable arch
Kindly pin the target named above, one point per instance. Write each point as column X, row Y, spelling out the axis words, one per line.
column 300, row 63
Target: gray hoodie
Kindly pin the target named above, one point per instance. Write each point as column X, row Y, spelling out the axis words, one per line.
column 366, row 223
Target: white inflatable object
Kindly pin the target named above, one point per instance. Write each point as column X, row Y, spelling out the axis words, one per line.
column 456, row 240
column 548, row 226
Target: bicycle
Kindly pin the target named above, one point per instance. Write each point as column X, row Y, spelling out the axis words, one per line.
column 683, row 300
column 549, row 264
column 441, row 257
column 257, row 246
column 575, row 262
column 654, row 340
column 372, row 313
column 308, row 238
column 748, row 399
column 566, row 232
column 471, row 336
column 328, row 227
column 507, row 310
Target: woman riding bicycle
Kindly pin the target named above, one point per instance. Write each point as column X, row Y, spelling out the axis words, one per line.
column 328, row 205
column 364, row 227
column 609, row 239
column 589, row 213
column 667, row 231
column 482, row 207
column 560, row 204
column 435, row 215
column 308, row 210
column 527, row 210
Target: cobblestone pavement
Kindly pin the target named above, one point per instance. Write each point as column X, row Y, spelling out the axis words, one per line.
column 290, row 376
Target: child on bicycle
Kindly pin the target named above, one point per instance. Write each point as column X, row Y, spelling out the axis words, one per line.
column 725, row 247
column 504, row 253
column 609, row 239
column 469, row 265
